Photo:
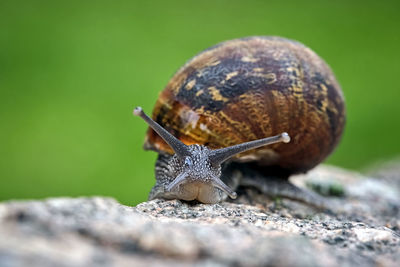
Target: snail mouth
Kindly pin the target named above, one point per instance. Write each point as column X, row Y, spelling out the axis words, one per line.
column 182, row 179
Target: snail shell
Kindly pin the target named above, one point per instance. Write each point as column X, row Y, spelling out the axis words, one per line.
column 251, row 88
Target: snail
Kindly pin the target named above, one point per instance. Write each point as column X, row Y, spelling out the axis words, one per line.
column 245, row 112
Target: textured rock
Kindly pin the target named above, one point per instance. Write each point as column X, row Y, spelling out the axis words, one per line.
column 363, row 230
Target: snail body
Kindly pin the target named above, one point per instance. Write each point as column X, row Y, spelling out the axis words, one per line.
column 240, row 91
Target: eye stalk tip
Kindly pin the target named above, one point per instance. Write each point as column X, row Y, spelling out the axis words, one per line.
column 285, row 137
column 233, row 195
column 137, row 111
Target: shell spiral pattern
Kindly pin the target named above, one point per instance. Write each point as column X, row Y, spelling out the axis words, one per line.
column 251, row 88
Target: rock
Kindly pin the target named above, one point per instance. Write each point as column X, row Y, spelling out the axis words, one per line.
column 99, row 231
column 388, row 171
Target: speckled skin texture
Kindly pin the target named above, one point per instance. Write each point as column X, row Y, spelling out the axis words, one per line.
column 251, row 88
column 198, row 185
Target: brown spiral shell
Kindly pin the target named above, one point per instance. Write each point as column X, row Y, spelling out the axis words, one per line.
column 251, row 88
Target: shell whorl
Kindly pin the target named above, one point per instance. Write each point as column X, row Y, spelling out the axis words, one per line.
column 251, row 88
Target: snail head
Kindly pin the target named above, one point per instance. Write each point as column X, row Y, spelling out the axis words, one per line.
column 198, row 164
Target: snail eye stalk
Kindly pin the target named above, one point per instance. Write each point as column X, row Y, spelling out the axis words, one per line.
column 218, row 156
column 180, row 148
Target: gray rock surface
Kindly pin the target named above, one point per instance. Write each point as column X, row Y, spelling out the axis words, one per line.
column 364, row 229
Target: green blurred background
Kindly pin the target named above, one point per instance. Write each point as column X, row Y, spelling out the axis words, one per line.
column 71, row 72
